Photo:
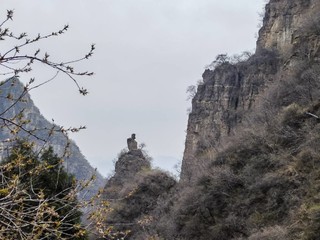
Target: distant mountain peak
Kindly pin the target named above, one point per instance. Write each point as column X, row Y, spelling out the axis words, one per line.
column 15, row 100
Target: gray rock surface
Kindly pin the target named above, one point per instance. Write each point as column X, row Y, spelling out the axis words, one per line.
column 74, row 162
column 289, row 35
column 127, row 167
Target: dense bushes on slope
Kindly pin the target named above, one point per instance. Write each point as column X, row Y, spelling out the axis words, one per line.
column 132, row 213
column 265, row 183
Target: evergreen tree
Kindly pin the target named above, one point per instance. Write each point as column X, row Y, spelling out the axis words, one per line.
column 38, row 197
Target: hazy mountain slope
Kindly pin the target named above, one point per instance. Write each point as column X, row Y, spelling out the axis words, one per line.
column 75, row 162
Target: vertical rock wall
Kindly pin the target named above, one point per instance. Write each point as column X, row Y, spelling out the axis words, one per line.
column 230, row 90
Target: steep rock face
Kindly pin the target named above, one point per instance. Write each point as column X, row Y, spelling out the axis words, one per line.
column 251, row 163
column 282, row 20
column 288, row 36
column 219, row 105
column 17, row 105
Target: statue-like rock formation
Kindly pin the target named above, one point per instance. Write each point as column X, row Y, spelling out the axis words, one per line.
column 132, row 143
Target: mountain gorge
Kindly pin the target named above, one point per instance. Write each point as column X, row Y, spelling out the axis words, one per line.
column 251, row 163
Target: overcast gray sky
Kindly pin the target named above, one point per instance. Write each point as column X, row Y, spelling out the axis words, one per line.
column 147, row 53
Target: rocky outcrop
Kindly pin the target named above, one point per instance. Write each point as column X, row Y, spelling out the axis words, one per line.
column 129, row 164
column 134, row 192
column 17, row 105
column 290, row 34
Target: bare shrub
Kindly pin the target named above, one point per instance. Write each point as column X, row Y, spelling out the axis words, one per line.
column 200, row 212
column 132, row 211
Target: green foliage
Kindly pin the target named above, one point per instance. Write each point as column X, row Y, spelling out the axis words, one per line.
column 42, row 196
column 55, row 179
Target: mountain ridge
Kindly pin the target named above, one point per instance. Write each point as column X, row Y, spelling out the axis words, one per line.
column 17, row 101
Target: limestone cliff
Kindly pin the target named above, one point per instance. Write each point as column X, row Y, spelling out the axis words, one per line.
column 281, row 22
column 290, row 34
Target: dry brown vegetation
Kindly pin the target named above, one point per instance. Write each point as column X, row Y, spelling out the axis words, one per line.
column 263, row 181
